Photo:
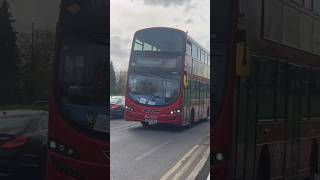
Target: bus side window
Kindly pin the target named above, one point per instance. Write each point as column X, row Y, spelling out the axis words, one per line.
column 194, row 51
column 266, row 89
column 281, row 90
column 188, row 48
column 315, row 93
column 202, row 57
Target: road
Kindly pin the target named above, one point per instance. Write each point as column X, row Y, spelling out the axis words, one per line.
column 156, row 152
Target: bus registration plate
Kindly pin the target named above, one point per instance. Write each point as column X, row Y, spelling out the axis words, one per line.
column 151, row 119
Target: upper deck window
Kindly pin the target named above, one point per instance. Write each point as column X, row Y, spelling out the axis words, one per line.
column 194, row 51
column 158, row 40
column 188, row 48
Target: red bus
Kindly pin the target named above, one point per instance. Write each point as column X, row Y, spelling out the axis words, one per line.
column 168, row 78
column 78, row 137
column 266, row 91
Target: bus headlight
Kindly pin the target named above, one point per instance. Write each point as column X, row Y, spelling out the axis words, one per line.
column 62, row 149
column 128, row 108
column 52, row 145
column 218, row 157
column 175, row 111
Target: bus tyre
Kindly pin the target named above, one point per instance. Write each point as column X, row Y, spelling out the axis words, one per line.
column 313, row 164
column 145, row 124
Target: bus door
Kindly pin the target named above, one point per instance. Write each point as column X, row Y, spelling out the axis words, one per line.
column 293, row 121
column 187, row 100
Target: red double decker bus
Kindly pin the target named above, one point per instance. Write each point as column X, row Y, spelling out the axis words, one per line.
column 78, row 137
column 265, row 89
column 168, row 78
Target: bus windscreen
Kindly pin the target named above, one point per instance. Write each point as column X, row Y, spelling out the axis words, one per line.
column 153, row 90
column 83, row 83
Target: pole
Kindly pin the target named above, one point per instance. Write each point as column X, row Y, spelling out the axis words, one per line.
column 32, row 88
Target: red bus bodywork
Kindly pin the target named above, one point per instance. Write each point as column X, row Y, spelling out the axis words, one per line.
column 284, row 143
column 163, row 116
column 94, row 157
column 93, row 163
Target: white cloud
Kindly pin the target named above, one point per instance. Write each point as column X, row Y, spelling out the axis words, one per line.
column 128, row 16
column 166, row 3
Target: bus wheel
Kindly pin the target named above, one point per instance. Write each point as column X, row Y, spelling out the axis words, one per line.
column 145, row 124
column 313, row 163
column 263, row 172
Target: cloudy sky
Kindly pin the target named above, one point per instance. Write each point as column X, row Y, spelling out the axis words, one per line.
column 128, row 16
column 44, row 13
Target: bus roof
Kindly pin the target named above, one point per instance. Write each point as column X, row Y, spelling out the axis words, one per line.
column 178, row 30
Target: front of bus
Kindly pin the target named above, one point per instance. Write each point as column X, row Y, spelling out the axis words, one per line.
column 78, row 124
column 154, row 84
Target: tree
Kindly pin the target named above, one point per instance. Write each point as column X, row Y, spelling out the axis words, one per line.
column 112, row 79
column 121, row 82
column 9, row 62
column 36, row 70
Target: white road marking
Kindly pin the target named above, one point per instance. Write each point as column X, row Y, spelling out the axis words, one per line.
column 152, row 150
column 179, row 163
column 124, row 126
column 186, row 166
column 200, row 165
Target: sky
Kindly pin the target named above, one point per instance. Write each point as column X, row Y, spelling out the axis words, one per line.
column 43, row 13
column 128, row 16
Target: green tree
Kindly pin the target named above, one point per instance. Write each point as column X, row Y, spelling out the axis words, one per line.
column 121, row 82
column 9, row 62
column 112, row 79
column 36, row 70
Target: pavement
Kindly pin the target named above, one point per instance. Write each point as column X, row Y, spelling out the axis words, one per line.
column 158, row 152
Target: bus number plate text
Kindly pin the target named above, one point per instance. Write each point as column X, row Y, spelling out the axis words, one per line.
column 151, row 119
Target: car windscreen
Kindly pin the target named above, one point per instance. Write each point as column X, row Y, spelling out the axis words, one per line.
column 116, row 101
column 18, row 123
